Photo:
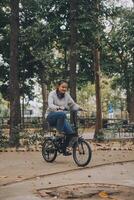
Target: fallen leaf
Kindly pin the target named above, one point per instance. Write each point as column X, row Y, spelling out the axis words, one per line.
column 103, row 194
column 3, row 176
column 19, row 177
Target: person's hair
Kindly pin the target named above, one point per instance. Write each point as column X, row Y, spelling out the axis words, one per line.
column 61, row 82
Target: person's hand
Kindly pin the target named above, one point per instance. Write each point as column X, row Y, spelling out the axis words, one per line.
column 61, row 108
column 82, row 109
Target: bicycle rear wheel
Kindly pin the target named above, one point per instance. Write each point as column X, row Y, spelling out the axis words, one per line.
column 82, row 153
column 49, row 152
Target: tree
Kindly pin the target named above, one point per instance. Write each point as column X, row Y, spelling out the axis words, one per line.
column 120, row 54
column 47, row 49
column 73, row 47
column 15, row 113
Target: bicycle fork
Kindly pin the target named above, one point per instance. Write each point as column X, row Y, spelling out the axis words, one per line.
column 79, row 144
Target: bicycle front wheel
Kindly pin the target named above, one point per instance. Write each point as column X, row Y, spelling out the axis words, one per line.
column 49, row 152
column 82, row 153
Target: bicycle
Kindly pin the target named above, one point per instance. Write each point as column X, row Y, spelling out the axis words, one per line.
column 80, row 148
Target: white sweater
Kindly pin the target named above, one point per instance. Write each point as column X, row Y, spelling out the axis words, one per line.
column 54, row 102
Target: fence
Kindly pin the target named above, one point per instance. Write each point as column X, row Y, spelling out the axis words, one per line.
column 112, row 128
column 29, row 122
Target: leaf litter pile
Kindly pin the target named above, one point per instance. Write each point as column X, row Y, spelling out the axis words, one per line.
column 88, row 191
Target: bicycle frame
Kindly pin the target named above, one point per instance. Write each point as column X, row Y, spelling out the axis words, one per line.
column 74, row 120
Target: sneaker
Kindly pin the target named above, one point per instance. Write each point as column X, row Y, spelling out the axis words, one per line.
column 67, row 153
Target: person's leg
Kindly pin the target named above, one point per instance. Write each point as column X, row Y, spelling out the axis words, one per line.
column 51, row 119
column 61, row 118
column 69, row 135
column 57, row 120
column 67, row 128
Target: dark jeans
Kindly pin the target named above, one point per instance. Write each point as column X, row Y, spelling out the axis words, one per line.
column 59, row 120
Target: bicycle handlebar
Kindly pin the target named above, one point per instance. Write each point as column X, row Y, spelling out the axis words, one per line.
column 65, row 109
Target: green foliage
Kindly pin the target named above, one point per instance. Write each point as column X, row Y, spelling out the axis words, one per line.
column 118, row 51
column 3, row 140
column 44, row 34
column 44, row 42
column 3, row 107
column 86, row 96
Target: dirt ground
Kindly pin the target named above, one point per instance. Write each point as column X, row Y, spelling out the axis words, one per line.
column 109, row 175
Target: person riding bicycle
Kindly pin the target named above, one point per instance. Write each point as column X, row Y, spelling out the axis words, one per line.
column 60, row 100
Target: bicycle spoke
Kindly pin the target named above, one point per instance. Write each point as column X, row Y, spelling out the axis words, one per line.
column 82, row 153
column 49, row 151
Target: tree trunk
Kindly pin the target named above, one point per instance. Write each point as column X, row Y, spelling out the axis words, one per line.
column 65, row 74
column 129, row 90
column 98, row 125
column 45, row 103
column 43, row 82
column 15, row 111
column 73, row 53
column 131, row 107
column 128, row 100
column 23, row 112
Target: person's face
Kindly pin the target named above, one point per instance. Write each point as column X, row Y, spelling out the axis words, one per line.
column 63, row 88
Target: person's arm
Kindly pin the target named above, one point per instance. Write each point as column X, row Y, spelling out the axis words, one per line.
column 51, row 104
column 72, row 104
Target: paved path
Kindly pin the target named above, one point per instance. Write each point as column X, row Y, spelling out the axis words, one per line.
column 16, row 166
column 22, row 174
column 117, row 174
